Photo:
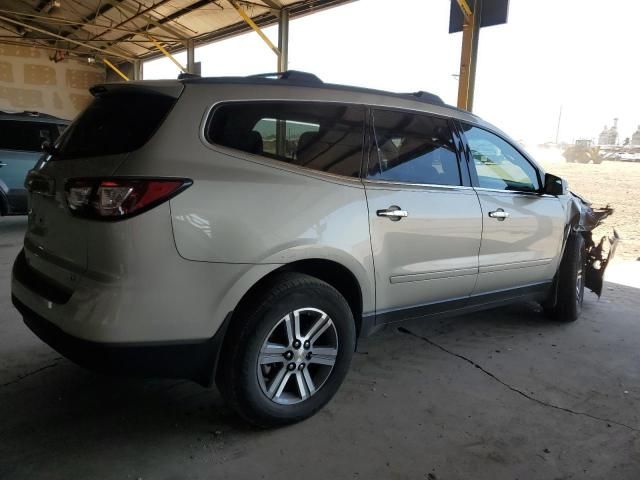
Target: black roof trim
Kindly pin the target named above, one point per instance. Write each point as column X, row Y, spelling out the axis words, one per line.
column 296, row 78
column 292, row 76
column 184, row 75
column 28, row 115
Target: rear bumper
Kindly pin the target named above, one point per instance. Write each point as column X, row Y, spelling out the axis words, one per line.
column 192, row 360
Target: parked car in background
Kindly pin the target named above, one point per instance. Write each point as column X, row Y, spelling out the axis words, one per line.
column 21, row 137
column 247, row 231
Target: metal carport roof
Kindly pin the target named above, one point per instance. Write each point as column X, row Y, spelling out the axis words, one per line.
column 129, row 29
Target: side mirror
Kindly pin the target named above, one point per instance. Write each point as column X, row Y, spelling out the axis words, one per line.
column 555, row 185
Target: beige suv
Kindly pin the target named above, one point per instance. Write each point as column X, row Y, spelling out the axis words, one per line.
column 247, row 231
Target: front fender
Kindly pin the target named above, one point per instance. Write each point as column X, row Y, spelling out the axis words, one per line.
column 583, row 218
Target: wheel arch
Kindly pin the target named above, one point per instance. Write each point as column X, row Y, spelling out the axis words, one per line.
column 335, row 274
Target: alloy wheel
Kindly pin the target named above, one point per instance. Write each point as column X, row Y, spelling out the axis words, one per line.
column 297, row 356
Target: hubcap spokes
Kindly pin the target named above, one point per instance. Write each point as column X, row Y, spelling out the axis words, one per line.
column 297, row 356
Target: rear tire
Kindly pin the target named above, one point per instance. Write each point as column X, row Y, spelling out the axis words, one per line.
column 287, row 351
column 570, row 282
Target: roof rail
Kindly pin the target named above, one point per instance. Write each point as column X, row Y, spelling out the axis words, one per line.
column 426, row 97
column 183, row 75
column 291, row 75
column 298, row 78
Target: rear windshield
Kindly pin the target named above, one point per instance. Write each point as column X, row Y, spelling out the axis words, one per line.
column 28, row 136
column 114, row 123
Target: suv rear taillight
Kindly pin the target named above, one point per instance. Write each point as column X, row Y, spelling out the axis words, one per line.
column 119, row 198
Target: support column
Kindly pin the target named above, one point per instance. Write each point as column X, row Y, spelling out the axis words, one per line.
column 191, row 56
column 283, row 40
column 137, row 69
column 283, row 66
column 477, row 18
column 468, row 58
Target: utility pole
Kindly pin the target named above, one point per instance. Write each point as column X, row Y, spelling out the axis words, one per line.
column 558, row 127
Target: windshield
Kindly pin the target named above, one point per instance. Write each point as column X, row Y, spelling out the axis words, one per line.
column 27, row 136
column 114, row 123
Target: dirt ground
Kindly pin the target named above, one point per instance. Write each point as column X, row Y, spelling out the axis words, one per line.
column 614, row 183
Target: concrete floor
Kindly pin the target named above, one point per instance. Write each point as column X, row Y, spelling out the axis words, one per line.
column 503, row 394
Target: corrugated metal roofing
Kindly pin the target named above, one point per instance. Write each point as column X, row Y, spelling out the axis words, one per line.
column 120, row 29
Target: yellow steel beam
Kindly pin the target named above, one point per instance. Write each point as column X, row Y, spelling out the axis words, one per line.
column 115, row 69
column 165, row 52
column 466, row 10
column 465, row 63
column 253, row 25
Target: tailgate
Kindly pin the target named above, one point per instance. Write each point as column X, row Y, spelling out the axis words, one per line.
column 56, row 242
column 120, row 120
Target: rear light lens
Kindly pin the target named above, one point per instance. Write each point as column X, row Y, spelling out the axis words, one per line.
column 119, row 198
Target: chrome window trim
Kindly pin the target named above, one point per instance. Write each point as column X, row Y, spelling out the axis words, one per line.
column 213, row 106
column 513, row 192
column 288, row 167
column 349, row 181
column 407, row 184
column 262, row 160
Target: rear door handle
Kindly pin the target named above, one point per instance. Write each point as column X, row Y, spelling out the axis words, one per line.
column 499, row 214
column 2, row 164
column 393, row 213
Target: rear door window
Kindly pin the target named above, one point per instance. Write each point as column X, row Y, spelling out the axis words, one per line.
column 115, row 123
column 27, row 136
column 324, row 137
column 412, row 148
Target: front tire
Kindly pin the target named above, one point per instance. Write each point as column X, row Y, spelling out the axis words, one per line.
column 570, row 282
column 287, row 351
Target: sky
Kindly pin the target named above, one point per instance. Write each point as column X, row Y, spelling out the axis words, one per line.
column 581, row 56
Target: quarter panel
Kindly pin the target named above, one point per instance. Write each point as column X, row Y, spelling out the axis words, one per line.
column 136, row 287
column 248, row 209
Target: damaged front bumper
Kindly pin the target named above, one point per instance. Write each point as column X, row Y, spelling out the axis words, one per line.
column 597, row 260
column 584, row 219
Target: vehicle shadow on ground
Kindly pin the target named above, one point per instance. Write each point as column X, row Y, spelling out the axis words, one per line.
column 53, row 393
column 60, row 407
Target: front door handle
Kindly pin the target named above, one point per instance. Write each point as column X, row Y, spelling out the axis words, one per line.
column 393, row 213
column 2, row 164
column 499, row 214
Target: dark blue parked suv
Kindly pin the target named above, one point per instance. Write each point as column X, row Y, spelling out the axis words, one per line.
column 21, row 137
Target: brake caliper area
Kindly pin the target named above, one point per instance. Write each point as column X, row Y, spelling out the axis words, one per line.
column 585, row 219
